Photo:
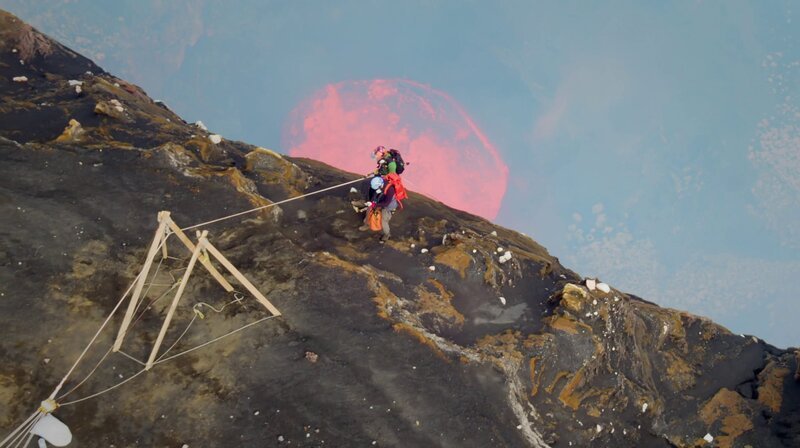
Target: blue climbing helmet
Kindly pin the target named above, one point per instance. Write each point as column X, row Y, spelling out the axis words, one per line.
column 376, row 183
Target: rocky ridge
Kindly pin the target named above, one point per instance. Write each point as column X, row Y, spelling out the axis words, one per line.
column 483, row 339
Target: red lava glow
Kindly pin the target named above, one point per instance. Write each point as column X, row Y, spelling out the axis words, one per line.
column 447, row 156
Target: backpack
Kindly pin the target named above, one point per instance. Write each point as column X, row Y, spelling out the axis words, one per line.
column 400, row 193
column 398, row 159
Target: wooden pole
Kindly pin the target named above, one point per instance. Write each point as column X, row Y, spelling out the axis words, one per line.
column 197, row 250
column 242, row 279
column 204, row 260
column 163, row 217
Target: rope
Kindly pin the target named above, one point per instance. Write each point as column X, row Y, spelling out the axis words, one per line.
column 158, row 267
column 109, row 389
column 104, row 390
column 130, row 357
column 271, row 205
column 111, row 314
column 197, row 313
column 122, row 299
column 215, row 339
column 89, row 375
column 179, row 338
column 13, row 436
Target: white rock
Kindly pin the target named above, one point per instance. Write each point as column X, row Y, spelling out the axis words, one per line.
column 519, row 426
column 499, row 249
column 78, row 89
column 502, row 300
column 708, row 438
column 256, row 413
column 591, row 284
column 185, row 445
column 352, row 189
column 215, row 138
column 14, row 50
column 20, row 79
column 432, row 268
column 280, row 438
column 594, row 302
column 599, row 428
column 494, row 233
column 474, row 251
column 413, row 245
column 424, row 251
column 644, row 407
column 75, row 82
column 115, row 102
column 604, row 287
column 202, row 126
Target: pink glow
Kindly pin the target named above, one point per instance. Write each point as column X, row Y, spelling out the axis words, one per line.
column 450, row 159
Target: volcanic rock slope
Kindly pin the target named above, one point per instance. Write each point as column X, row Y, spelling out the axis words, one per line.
column 384, row 345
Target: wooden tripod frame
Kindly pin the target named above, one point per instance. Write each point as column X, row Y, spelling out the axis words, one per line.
column 199, row 253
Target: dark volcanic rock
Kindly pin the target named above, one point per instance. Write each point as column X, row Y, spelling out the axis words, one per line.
column 373, row 346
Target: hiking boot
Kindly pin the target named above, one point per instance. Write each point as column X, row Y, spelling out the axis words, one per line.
column 364, row 228
column 384, row 238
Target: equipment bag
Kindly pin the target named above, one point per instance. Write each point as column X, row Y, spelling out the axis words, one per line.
column 375, row 223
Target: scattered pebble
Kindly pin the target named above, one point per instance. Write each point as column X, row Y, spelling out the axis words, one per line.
column 423, row 251
column 432, row 268
column 311, row 356
column 591, row 284
column 519, row 426
column 594, row 302
column 75, row 82
column 503, row 300
column 353, row 190
column 474, row 251
column 215, row 138
column 280, row 438
column 599, row 428
column 46, row 360
column 203, row 127
column 604, row 287
column 644, row 407
column 708, row 438
column 413, row 245
column 20, row 79
column 256, row 413
column 494, row 233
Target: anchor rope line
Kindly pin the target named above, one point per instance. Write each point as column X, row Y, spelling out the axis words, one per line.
column 130, row 357
column 18, row 440
column 239, row 297
column 109, row 389
column 30, row 421
column 271, row 205
column 152, row 302
column 186, row 330
column 14, row 434
column 155, row 274
column 215, row 339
